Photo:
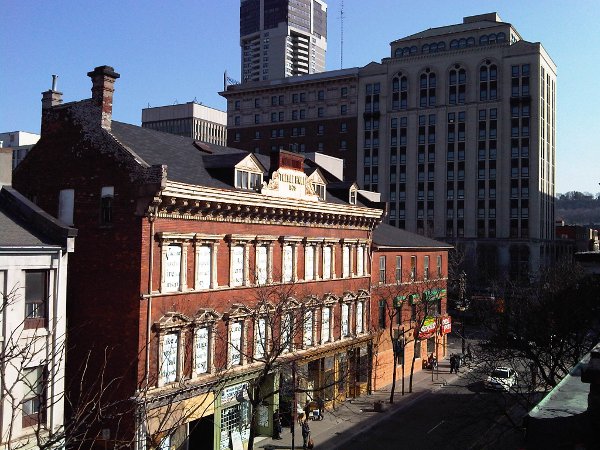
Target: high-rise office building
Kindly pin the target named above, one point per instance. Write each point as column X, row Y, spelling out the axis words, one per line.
column 282, row 38
column 458, row 133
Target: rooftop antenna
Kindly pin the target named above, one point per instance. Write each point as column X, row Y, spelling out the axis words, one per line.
column 342, row 35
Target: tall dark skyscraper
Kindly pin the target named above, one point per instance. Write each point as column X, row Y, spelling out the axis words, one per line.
column 282, row 38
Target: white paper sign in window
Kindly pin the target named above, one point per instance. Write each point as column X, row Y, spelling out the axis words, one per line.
column 345, row 327
column 308, row 329
column 359, row 317
column 327, row 262
column 325, row 324
column 261, row 265
column 172, row 268
column 169, row 357
column 260, row 338
column 287, row 263
column 204, row 267
column 309, row 263
column 201, row 350
column 235, row 343
column 346, row 261
column 360, row 261
column 237, row 266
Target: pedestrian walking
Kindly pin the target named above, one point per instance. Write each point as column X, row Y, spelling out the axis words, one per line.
column 305, row 434
column 277, row 425
column 452, row 363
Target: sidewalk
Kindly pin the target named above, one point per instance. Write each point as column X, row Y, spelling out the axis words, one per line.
column 356, row 416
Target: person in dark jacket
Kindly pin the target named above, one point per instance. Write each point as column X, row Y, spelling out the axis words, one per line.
column 453, row 364
column 305, row 434
column 276, row 425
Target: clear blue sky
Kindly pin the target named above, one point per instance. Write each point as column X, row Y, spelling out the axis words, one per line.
column 177, row 50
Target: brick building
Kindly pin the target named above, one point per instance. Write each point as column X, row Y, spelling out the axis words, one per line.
column 177, row 238
column 194, row 262
column 310, row 113
column 408, row 294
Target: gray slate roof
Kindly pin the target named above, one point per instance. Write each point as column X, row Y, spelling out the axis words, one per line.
column 388, row 236
column 24, row 224
column 187, row 163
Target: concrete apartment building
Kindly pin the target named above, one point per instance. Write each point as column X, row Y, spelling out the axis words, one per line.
column 282, row 38
column 190, row 120
column 20, row 142
column 311, row 113
column 456, row 129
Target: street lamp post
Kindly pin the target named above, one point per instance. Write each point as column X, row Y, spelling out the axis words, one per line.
column 462, row 288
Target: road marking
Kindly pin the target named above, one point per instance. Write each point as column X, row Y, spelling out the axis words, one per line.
column 435, row 427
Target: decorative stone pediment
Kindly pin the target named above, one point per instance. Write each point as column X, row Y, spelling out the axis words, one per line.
column 363, row 294
column 312, row 301
column 348, row 297
column 291, row 303
column 330, row 299
column 172, row 320
column 206, row 316
column 237, row 311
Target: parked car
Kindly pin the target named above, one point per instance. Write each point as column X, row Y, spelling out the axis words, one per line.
column 501, row 378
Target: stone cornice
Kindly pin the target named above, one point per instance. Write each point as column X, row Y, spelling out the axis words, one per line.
column 192, row 202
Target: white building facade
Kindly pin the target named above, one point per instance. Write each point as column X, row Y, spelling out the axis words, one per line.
column 458, row 133
column 34, row 249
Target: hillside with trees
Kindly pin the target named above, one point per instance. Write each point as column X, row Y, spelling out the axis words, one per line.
column 578, row 208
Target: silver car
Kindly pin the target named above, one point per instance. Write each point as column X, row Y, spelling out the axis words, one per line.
column 501, row 378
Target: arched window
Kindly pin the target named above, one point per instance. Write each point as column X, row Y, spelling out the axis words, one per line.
column 433, row 48
column 399, row 91
column 454, row 44
column 427, row 89
column 398, row 53
column 413, row 50
column 492, row 38
column 462, row 43
column 441, row 46
column 483, row 40
column 470, row 42
column 488, row 82
column 501, row 37
column 406, row 51
column 425, row 48
column 457, row 84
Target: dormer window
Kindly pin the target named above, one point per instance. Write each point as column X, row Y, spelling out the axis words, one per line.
column 319, row 190
column 353, row 196
column 247, row 180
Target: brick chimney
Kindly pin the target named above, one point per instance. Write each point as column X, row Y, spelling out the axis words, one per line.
column 52, row 97
column 103, row 81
